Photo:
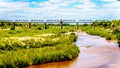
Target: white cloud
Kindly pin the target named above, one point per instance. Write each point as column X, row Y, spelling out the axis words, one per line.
column 13, row 6
column 57, row 1
column 4, row 0
column 109, row 0
column 87, row 4
column 55, row 9
column 112, row 5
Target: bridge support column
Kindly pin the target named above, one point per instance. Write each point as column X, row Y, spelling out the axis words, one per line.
column 61, row 26
column 13, row 26
column 76, row 26
column 45, row 27
column 94, row 25
column 29, row 25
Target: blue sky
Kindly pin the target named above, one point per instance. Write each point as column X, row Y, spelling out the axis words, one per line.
column 59, row 9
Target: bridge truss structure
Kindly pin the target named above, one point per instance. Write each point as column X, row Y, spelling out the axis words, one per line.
column 51, row 21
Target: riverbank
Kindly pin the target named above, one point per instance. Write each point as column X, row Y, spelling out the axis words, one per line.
column 97, row 55
column 103, row 32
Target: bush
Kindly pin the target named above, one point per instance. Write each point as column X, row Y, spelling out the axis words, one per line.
column 12, row 28
column 85, row 24
column 14, row 31
column 98, row 31
column 39, row 28
column 73, row 37
column 72, row 30
column 72, row 34
column 62, row 31
column 34, row 25
column 118, row 43
column 21, row 24
column 115, row 31
column 108, row 37
column 118, row 36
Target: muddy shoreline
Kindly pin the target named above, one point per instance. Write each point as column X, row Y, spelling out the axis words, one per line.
column 96, row 52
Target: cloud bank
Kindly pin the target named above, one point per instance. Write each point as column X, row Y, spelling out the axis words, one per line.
column 59, row 9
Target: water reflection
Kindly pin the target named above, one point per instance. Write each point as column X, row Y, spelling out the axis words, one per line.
column 89, row 40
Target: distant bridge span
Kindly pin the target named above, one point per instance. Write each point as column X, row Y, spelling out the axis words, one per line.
column 65, row 21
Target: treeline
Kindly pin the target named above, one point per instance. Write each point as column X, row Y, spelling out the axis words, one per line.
column 7, row 24
column 113, row 24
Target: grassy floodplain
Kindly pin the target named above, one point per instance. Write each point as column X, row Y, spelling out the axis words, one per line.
column 107, row 33
column 28, row 46
column 108, row 29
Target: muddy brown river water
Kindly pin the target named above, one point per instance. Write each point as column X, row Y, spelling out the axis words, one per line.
column 95, row 52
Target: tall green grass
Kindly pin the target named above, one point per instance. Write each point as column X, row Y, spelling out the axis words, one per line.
column 58, row 47
column 107, row 33
column 21, row 31
column 27, row 57
column 24, row 46
column 16, row 43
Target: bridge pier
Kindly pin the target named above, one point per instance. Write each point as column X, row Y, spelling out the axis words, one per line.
column 94, row 25
column 13, row 26
column 61, row 26
column 45, row 27
column 76, row 26
column 28, row 25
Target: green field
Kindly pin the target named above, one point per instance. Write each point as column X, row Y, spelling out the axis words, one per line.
column 24, row 46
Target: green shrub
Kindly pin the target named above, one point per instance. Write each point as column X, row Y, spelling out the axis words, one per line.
column 115, row 31
column 118, row 36
column 12, row 28
column 108, row 37
column 62, row 31
column 14, row 31
column 85, row 24
column 39, row 27
column 98, row 31
column 118, row 39
column 33, row 24
column 72, row 30
column 118, row 43
column 73, row 37
column 21, row 24
column 72, row 34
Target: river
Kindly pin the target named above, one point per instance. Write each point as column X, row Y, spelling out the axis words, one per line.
column 95, row 52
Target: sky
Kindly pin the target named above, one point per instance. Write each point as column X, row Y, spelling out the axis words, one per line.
column 59, row 9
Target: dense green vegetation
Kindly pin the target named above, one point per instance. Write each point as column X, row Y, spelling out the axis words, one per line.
column 107, row 33
column 36, row 29
column 22, row 46
column 108, row 29
column 59, row 50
